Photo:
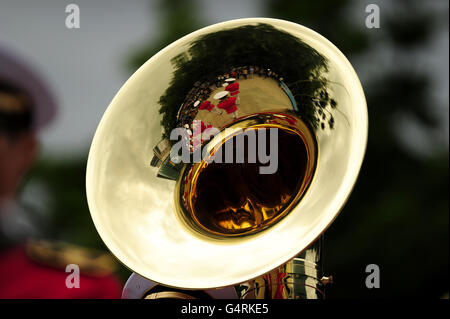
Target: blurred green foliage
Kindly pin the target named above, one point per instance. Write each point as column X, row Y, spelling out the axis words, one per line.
column 177, row 19
column 398, row 214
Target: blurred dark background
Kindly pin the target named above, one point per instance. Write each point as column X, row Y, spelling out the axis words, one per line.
column 398, row 214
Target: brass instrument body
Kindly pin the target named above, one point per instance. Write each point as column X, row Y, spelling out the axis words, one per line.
column 299, row 278
column 150, row 216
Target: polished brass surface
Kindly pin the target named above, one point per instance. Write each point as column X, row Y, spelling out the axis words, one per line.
column 169, row 295
column 299, row 278
column 133, row 183
column 138, row 287
column 233, row 199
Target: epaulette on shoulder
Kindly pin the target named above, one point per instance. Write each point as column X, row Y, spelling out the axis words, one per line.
column 58, row 255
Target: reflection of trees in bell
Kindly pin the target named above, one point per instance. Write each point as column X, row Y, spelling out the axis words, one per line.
column 253, row 45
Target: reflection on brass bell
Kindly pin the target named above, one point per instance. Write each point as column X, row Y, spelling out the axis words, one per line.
column 192, row 222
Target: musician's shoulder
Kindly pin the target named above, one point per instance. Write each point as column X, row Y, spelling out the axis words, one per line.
column 59, row 255
column 42, row 268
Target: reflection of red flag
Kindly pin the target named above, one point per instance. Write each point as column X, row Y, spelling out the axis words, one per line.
column 232, row 87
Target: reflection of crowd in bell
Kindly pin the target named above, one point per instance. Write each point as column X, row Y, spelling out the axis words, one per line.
column 247, row 72
column 188, row 111
column 227, row 100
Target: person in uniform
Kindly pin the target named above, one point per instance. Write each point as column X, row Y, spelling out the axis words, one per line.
column 229, row 105
column 31, row 268
column 233, row 88
column 207, row 105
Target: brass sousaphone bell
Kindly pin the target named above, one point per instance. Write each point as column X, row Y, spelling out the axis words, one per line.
column 180, row 203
